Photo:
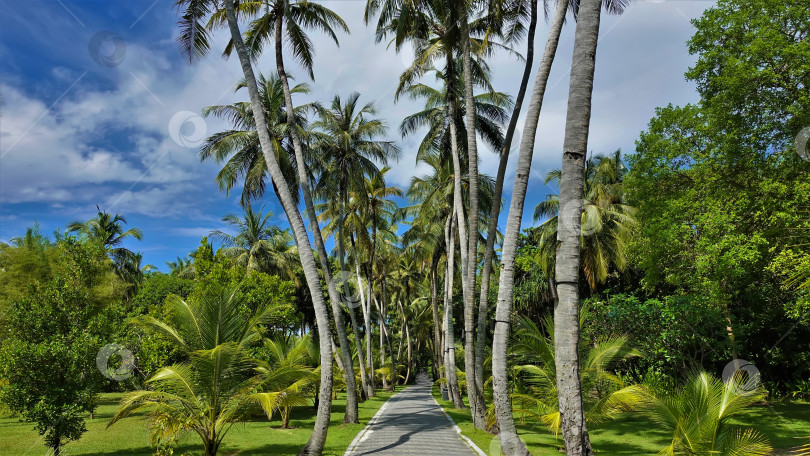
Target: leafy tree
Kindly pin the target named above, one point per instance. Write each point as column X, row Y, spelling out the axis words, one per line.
column 680, row 333
column 54, row 333
column 733, row 225
column 151, row 352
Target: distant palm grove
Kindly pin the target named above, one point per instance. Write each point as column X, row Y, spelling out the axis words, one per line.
column 665, row 289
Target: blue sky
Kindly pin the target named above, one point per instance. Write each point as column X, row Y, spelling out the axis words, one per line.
column 98, row 108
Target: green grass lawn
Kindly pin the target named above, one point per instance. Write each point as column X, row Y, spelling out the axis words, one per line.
column 130, row 436
column 785, row 424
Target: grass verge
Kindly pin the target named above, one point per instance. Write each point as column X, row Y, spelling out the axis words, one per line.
column 787, row 425
column 130, row 436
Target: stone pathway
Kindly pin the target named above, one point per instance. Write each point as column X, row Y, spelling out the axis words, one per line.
column 411, row 423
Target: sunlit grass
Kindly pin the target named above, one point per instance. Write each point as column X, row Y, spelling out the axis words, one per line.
column 787, row 425
column 130, row 436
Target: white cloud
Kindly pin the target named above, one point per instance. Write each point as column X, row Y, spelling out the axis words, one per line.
column 108, row 140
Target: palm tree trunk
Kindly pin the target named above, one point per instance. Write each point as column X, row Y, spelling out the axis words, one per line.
column 369, row 274
column 566, row 311
column 316, row 441
column 449, row 337
column 492, row 230
column 475, row 393
column 368, row 389
column 511, row 444
column 384, row 327
column 437, row 330
column 351, row 415
column 410, row 352
column 351, row 306
column 337, row 358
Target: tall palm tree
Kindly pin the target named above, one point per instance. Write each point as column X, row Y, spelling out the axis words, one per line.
column 378, row 211
column 510, row 443
column 213, row 389
column 239, row 147
column 490, row 112
column 181, row 267
column 108, row 229
column 607, row 220
column 345, row 136
column 273, row 18
column 194, row 44
column 257, row 245
column 566, row 311
column 508, row 19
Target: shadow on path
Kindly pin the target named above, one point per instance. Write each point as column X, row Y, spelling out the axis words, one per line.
column 413, row 425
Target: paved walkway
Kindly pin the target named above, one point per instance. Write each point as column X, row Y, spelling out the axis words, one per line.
column 411, row 424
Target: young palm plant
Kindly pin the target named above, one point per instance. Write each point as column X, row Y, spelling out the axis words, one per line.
column 698, row 415
column 288, row 374
column 217, row 385
column 607, row 395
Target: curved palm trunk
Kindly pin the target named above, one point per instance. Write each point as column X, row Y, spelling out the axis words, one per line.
column 316, row 442
column 511, row 445
column 449, row 336
column 475, row 393
column 437, row 330
column 368, row 323
column 384, row 329
column 566, row 311
column 352, row 314
column 369, row 348
column 382, row 341
column 351, row 415
column 483, row 300
column 368, row 390
column 410, row 351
